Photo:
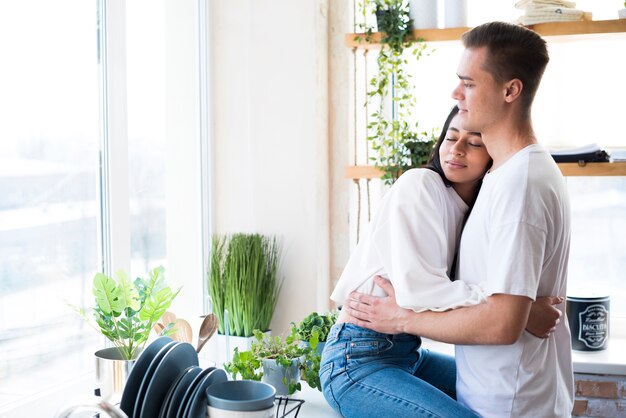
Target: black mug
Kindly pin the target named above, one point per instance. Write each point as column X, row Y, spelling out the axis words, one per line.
column 589, row 322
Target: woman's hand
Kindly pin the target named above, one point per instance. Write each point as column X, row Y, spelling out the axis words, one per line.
column 544, row 316
column 380, row 314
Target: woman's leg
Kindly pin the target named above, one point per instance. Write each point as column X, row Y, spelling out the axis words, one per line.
column 367, row 374
column 437, row 369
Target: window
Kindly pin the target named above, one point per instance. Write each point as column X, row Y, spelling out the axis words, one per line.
column 48, row 187
column 63, row 115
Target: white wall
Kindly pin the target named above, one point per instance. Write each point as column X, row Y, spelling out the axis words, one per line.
column 270, row 137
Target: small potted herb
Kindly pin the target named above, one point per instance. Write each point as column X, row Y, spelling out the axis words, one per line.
column 314, row 328
column 271, row 359
column 313, row 331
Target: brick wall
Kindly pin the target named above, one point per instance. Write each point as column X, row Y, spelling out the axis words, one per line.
column 600, row 396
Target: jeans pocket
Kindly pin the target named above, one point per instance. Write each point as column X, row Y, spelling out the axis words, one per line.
column 363, row 348
column 326, row 375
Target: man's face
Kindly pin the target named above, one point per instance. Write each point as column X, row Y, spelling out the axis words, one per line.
column 478, row 95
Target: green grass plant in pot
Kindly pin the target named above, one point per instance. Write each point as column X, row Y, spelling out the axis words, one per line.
column 243, row 280
column 275, row 360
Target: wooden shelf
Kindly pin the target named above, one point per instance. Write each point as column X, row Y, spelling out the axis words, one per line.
column 583, row 27
column 568, row 169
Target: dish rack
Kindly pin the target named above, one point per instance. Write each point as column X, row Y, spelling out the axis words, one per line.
column 284, row 403
column 285, row 408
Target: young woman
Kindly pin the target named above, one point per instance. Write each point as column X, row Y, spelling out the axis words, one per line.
column 412, row 242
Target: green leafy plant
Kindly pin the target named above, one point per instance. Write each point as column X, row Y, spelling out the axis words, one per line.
column 392, row 133
column 243, row 279
column 126, row 310
column 248, row 364
column 315, row 327
column 312, row 330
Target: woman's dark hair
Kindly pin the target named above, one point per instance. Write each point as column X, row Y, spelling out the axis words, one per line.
column 434, row 162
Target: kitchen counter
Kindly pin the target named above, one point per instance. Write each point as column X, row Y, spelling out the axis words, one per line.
column 81, row 389
column 610, row 361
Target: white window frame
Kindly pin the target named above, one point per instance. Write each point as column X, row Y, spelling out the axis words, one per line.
column 188, row 206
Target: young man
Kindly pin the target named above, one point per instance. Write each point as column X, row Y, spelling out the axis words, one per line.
column 516, row 240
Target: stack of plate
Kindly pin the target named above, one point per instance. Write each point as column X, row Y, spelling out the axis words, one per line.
column 166, row 382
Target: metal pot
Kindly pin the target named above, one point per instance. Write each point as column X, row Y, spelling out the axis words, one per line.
column 112, row 372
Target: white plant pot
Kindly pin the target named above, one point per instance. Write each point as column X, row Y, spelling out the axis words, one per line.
column 424, row 13
column 621, row 13
column 219, row 349
column 455, row 14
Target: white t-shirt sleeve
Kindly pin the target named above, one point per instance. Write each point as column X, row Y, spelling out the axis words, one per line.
column 413, row 245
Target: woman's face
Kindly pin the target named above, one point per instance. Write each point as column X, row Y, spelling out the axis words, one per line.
column 463, row 155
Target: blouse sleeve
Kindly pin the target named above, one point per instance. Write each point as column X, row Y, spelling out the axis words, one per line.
column 413, row 247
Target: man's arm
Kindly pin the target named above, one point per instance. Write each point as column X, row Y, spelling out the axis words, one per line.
column 500, row 320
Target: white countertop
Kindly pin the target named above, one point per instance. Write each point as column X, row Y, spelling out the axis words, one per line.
column 609, row 361
column 75, row 392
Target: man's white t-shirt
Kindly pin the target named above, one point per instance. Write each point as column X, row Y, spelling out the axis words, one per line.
column 516, row 241
column 411, row 241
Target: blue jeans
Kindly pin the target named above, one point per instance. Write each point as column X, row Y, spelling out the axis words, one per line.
column 368, row 374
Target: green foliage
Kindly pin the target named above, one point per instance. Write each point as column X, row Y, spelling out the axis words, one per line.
column 248, row 365
column 316, row 326
column 244, row 280
column 126, row 311
column 391, row 129
column 313, row 329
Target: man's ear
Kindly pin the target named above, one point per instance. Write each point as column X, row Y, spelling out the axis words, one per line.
column 513, row 90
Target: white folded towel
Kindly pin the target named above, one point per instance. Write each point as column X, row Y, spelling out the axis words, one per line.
column 524, row 4
column 550, row 15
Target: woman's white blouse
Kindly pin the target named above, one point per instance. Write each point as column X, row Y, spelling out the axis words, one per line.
column 411, row 241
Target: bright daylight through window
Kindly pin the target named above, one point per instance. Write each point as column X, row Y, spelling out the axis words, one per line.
column 50, row 130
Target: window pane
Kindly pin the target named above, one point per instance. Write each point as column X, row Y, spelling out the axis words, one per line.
column 48, row 189
column 598, row 250
column 146, row 133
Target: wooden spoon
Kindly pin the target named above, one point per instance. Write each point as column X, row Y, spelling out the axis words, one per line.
column 168, row 318
column 207, row 329
column 158, row 328
column 182, row 331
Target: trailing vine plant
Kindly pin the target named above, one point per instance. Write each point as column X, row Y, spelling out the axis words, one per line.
column 392, row 135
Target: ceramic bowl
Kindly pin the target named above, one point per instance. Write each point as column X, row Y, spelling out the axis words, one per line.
column 225, row 413
column 241, row 395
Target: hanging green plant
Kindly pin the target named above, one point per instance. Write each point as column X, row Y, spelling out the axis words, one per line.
column 392, row 134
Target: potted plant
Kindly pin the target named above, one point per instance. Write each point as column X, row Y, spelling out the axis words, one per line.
column 313, row 331
column 392, row 134
column 622, row 12
column 314, row 328
column 125, row 312
column 243, row 286
column 271, row 359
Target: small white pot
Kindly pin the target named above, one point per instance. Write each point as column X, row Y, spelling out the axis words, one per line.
column 621, row 13
column 424, row 13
